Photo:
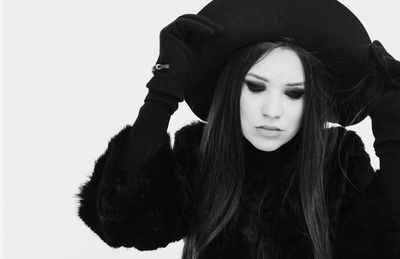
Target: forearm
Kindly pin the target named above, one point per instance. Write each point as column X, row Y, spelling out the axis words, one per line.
column 385, row 118
column 388, row 179
column 149, row 130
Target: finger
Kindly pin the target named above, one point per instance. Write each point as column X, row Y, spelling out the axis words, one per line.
column 381, row 48
column 193, row 25
column 377, row 43
column 218, row 28
column 391, row 65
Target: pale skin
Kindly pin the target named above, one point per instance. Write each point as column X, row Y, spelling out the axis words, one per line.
column 272, row 95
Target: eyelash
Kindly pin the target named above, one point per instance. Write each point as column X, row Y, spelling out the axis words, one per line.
column 297, row 94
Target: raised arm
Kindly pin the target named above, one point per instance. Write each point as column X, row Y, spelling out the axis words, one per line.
column 364, row 222
column 371, row 228
column 386, row 127
column 119, row 202
column 135, row 196
column 385, row 117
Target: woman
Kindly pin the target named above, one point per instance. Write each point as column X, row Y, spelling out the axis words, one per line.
column 232, row 188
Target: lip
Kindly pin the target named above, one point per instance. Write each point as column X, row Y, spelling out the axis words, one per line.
column 269, row 128
column 267, row 133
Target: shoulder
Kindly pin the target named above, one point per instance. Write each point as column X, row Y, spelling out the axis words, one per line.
column 349, row 159
column 186, row 145
column 189, row 135
column 363, row 222
column 348, row 142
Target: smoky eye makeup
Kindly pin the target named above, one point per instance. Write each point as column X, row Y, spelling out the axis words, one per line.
column 255, row 87
column 295, row 94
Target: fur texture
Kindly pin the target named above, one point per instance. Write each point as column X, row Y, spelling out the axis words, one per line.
column 151, row 208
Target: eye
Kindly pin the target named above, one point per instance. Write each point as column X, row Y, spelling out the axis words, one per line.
column 254, row 87
column 295, row 94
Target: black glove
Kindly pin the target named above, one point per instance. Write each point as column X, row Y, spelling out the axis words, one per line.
column 388, row 66
column 180, row 44
column 385, row 119
column 384, row 112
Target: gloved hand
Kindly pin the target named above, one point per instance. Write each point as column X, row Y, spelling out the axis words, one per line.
column 385, row 118
column 385, row 113
column 180, row 44
column 388, row 66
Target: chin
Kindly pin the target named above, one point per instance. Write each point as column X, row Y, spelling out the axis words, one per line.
column 267, row 145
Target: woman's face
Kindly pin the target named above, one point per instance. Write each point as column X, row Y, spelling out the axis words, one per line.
column 272, row 96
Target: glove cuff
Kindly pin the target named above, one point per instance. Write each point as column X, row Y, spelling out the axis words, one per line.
column 167, row 85
column 155, row 96
column 385, row 117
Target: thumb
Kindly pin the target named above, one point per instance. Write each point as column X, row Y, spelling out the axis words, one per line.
column 192, row 26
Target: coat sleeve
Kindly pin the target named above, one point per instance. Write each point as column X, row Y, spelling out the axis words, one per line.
column 367, row 226
column 150, row 208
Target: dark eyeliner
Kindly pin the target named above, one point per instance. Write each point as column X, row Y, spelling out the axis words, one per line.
column 254, row 87
column 295, row 94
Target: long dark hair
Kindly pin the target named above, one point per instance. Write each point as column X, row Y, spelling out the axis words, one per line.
column 220, row 172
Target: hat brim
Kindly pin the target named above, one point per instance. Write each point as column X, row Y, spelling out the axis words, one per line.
column 324, row 27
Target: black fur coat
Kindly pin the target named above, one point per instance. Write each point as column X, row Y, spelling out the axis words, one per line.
column 149, row 209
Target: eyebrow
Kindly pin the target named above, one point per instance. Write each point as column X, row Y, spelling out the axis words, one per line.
column 267, row 80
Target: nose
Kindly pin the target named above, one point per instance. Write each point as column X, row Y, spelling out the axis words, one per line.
column 272, row 107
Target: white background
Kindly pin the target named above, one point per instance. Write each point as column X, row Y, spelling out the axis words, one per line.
column 75, row 74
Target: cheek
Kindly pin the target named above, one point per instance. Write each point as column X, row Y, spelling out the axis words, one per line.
column 242, row 103
column 245, row 113
column 246, row 107
column 297, row 112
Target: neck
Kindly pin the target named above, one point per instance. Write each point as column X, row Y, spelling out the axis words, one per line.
column 284, row 155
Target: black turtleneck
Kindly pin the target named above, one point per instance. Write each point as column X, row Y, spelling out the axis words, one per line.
column 271, row 162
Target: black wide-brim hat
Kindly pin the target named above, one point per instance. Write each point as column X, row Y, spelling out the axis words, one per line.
column 324, row 27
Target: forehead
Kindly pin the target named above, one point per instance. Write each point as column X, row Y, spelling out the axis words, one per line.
column 281, row 64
